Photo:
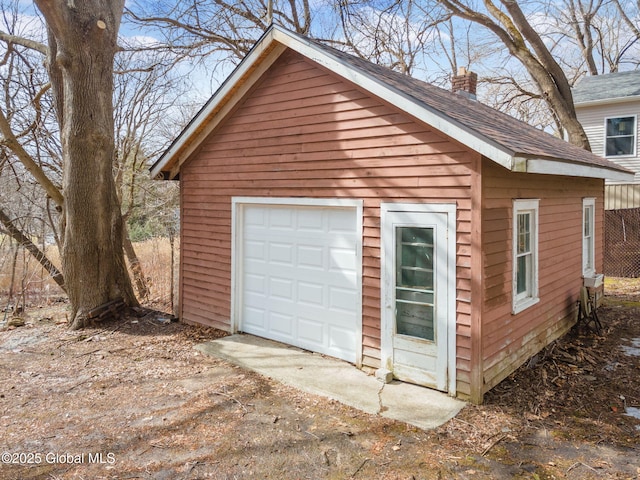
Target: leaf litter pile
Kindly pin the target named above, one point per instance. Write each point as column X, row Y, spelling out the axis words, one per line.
column 133, row 399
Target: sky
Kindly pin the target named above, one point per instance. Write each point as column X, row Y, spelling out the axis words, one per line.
column 206, row 75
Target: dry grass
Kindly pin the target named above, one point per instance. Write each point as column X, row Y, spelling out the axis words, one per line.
column 621, row 286
column 23, row 280
column 155, row 257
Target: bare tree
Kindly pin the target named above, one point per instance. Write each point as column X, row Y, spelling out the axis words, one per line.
column 82, row 44
column 218, row 29
column 28, row 145
column 146, row 91
column 394, row 33
column 508, row 22
column 629, row 15
column 579, row 16
column 593, row 36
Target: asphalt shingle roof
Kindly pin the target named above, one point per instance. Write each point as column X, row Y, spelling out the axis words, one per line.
column 609, row 86
column 493, row 133
column 520, row 138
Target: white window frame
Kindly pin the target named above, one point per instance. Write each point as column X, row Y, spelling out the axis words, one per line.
column 524, row 300
column 635, row 136
column 588, row 237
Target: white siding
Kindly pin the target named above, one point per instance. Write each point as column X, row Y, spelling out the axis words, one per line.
column 592, row 119
column 617, row 197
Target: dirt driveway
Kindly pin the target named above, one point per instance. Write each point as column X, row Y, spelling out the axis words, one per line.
column 135, row 400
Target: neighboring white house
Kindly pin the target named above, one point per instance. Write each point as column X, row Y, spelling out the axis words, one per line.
column 608, row 107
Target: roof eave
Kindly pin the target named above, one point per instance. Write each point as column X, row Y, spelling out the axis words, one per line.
column 571, row 169
column 608, row 101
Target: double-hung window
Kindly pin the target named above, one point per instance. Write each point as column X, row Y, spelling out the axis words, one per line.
column 588, row 237
column 525, row 254
column 620, row 136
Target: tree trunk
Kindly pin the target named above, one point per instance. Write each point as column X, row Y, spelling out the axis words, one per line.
column 82, row 46
column 524, row 43
column 134, row 262
column 548, row 74
column 26, row 242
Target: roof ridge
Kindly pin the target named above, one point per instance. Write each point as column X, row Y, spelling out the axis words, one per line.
column 508, row 141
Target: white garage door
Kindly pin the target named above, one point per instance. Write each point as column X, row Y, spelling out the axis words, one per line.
column 299, row 277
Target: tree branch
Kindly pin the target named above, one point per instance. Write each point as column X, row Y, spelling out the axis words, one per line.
column 25, row 42
column 38, row 254
column 525, row 44
column 12, row 143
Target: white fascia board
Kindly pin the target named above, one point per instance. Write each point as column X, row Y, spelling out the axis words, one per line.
column 189, row 139
column 554, row 167
column 608, row 101
column 420, row 111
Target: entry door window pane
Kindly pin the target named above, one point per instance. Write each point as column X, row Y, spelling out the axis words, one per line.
column 415, row 282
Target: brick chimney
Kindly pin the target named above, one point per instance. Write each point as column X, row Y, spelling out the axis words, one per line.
column 465, row 83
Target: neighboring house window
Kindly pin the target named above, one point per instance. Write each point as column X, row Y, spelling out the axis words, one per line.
column 588, row 237
column 620, row 136
column 525, row 254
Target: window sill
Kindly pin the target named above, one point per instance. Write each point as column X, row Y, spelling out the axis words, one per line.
column 593, row 281
column 623, row 155
column 524, row 304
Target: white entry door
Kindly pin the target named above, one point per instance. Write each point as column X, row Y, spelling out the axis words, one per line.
column 298, row 269
column 418, row 269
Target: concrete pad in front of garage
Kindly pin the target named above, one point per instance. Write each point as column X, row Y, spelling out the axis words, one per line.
column 336, row 379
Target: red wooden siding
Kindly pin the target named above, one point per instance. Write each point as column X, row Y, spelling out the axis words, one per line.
column 509, row 340
column 302, row 132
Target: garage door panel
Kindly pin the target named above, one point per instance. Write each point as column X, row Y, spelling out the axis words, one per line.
column 340, row 221
column 282, row 288
column 255, row 283
column 337, row 279
column 254, row 218
column 312, row 294
column 311, row 330
column 282, row 324
column 340, row 338
column 255, row 319
column 279, row 218
column 255, row 249
column 342, row 299
column 257, row 301
column 300, row 277
column 311, row 256
column 311, row 221
column 342, row 260
column 323, row 276
column 280, row 253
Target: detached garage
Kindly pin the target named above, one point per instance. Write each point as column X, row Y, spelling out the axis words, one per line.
column 343, row 208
